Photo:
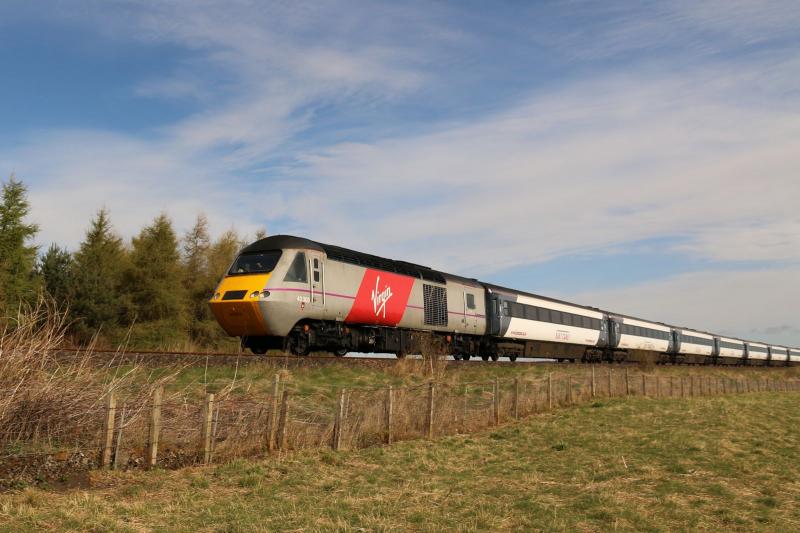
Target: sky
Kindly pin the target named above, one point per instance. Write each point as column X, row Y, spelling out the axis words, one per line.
column 641, row 157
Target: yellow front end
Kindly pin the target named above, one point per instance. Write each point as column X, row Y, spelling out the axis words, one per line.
column 236, row 304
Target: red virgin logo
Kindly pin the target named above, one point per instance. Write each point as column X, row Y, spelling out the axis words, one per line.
column 381, row 298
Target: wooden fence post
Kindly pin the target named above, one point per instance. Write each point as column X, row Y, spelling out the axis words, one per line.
column 464, row 413
column 594, row 384
column 610, row 388
column 516, row 398
column 108, row 431
column 658, row 386
column 337, row 423
column 549, row 390
column 496, row 401
column 115, row 462
column 389, row 414
column 691, row 387
column 283, row 421
column 627, row 384
column 155, row 427
column 644, row 384
column 208, row 414
column 430, row 409
column 273, row 414
column 671, row 386
column 569, row 390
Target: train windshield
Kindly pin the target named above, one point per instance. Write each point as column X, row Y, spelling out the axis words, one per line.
column 255, row 263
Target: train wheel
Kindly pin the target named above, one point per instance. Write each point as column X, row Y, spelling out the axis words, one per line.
column 512, row 358
column 495, row 357
column 341, row 352
column 258, row 350
column 401, row 355
column 465, row 356
column 299, row 346
column 485, row 356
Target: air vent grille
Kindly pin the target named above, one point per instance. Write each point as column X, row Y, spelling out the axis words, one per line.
column 435, row 302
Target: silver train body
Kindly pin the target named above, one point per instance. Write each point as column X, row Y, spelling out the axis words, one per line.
column 294, row 294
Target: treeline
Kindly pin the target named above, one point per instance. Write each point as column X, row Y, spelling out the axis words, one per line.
column 151, row 292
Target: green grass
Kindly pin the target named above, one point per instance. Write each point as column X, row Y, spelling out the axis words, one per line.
column 639, row 465
column 256, row 377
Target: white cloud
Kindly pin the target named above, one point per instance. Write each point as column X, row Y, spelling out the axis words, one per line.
column 275, row 62
column 602, row 163
column 752, row 305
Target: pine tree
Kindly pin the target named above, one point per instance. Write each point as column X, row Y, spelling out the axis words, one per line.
column 199, row 283
column 18, row 282
column 55, row 269
column 97, row 276
column 222, row 253
column 196, row 244
column 155, row 278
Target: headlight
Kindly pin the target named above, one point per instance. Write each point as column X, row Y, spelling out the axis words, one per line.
column 264, row 295
column 216, row 296
column 254, row 294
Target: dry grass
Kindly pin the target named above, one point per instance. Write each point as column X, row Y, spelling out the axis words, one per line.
column 632, row 465
column 48, row 402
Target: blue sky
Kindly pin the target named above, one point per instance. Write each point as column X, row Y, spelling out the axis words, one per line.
column 636, row 156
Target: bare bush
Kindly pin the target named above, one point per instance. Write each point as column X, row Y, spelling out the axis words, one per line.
column 48, row 398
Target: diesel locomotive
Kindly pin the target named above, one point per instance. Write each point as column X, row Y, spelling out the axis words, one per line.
column 295, row 294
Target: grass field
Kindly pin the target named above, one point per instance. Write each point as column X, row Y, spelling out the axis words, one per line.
column 727, row 462
column 256, row 378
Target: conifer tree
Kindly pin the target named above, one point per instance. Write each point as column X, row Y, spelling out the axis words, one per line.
column 198, row 282
column 222, row 253
column 155, row 277
column 18, row 282
column 55, row 269
column 97, row 276
column 196, row 244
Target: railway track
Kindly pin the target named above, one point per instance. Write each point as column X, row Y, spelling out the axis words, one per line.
column 225, row 358
column 161, row 357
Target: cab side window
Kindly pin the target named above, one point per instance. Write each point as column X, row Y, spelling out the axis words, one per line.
column 470, row 301
column 297, row 271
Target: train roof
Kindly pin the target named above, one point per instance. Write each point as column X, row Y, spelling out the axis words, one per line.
column 500, row 288
column 345, row 255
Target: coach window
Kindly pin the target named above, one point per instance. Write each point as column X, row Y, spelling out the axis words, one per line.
column 297, row 270
column 316, row 270
column 470, row 301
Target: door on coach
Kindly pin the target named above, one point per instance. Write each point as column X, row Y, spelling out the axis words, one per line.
column 470, row 312
column 316, row 279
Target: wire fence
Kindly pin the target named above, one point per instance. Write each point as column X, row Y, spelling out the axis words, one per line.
column 125, row 432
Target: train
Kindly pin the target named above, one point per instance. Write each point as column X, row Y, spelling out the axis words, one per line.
column 297, row 295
